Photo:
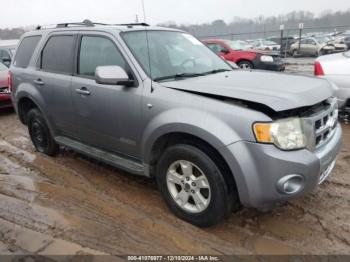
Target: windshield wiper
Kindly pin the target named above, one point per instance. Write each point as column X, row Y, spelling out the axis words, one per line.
column 216, row 71
column 188, row 75
column 182, row 75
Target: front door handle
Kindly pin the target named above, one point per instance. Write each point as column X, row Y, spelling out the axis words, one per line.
column 39, row 82
column 83, row 91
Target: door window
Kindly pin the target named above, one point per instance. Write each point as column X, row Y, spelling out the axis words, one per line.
column 98, row 51
column 58, row 54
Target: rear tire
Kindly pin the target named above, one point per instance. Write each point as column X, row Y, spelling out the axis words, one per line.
column 40, row 133
column 193, row 186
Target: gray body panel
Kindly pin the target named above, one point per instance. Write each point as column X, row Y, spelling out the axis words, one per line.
column 120, row 125
column 276, row 90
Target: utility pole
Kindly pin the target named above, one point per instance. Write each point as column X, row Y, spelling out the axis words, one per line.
column 281, row 40
column 301, row 27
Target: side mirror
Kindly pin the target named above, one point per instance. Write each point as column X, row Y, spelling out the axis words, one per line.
column 112, row 75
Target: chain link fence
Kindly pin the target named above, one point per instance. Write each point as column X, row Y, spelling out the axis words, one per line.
column 290, row 35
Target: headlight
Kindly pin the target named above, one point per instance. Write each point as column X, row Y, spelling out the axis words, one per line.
column 286, row 134
column 266, row 58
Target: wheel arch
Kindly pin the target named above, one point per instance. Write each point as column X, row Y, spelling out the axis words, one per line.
column 24, row 103
column 245, row 60
column 173, row 138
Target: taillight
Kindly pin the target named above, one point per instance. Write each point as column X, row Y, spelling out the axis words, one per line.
column 318, row 69
column 9, row 81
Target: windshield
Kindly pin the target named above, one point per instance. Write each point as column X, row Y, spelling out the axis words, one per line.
column 172, row 54
column 238, row 45
column 322, row 39
column 269, row 42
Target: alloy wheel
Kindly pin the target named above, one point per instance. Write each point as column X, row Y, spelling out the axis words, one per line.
column 188, row 186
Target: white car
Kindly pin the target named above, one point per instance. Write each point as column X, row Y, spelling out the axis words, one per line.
column 262, row 44
column 336, row 68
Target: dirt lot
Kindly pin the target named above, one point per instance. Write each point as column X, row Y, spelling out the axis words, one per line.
column 72, row 205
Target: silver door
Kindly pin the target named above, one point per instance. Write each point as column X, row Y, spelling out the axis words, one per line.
column 53, row 79
column 107, row 115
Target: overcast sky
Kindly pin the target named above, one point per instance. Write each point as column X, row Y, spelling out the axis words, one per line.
column 34, row 12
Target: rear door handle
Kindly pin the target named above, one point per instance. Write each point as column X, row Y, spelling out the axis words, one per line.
column 83, row 91
column 39, row 82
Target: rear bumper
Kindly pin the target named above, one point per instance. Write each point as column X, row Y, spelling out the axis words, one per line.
column 5, row 100
column 258, row 169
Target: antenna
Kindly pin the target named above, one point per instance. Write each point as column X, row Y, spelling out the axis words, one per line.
column 144, row 10
column 149, row 59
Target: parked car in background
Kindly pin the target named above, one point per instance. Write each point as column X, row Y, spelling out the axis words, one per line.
column 266, row 45
column 345, row 38
column 286, row 43
column 7, row 51
column 5, row 96
column 336, row 68
column 240, row 53
column 316, row 46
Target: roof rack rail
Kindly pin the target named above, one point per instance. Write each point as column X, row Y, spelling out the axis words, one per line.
column 134, row 24
column 84, row 23
column 88, row 23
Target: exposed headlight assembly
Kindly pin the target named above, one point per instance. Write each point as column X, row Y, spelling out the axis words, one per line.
column 286, row 134
column 266, row 58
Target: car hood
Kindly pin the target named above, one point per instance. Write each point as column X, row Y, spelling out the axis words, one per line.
column 278, row 91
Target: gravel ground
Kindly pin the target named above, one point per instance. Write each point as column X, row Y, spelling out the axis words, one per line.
column 73, row 205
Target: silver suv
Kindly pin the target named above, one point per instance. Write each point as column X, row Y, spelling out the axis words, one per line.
column 157, row 102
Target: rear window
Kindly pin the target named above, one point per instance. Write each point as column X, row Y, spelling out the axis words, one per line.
column 26, row 50
column 58, row 54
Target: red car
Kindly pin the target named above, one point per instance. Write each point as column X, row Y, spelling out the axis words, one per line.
column 240, row 53
column 5, row 96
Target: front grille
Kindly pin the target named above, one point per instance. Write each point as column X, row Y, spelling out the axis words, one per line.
column 321, row 125
column 324, row 130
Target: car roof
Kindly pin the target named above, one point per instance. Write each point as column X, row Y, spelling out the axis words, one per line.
column 9, row 43
column 87, row 25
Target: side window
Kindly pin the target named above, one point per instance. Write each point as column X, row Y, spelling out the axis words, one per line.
column 98, row 51
column 58, row 54
column 26, row 50
column 304, row 41
column 216, row 48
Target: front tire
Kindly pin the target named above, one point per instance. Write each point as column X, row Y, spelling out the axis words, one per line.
column 193, row 186
column 245, row 65
column 40, row 133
